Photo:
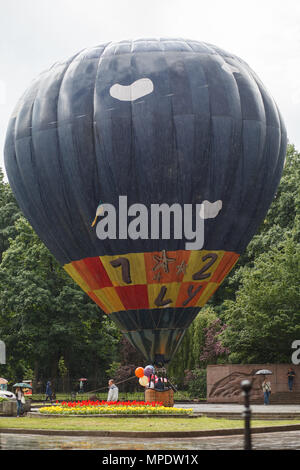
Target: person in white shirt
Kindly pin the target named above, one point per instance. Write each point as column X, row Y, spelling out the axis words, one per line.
column 113, row 391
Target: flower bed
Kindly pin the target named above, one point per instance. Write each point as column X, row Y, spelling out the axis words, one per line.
column 88, row 407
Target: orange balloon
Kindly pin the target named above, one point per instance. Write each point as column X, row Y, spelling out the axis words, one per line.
column 139, row 372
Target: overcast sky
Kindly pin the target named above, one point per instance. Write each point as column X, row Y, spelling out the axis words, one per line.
column 265, row 33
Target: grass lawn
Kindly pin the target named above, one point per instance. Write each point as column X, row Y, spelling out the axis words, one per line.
column 130, row 424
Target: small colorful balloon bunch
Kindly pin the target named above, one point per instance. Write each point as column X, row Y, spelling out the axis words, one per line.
column 144, row 374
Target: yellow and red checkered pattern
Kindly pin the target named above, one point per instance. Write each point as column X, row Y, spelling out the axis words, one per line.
column 162, row 279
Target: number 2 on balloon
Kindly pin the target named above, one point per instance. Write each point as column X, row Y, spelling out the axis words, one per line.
column 203, row 274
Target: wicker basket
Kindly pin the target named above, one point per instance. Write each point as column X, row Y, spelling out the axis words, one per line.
column 164, row 396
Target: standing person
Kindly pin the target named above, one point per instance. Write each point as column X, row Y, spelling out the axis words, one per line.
column 113, row 391
column 266, row 386
column 159, row 384
column 20, row 400
column 48, row 391
column 291, row 375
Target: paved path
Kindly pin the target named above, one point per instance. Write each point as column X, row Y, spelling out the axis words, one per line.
column 270, row 441
column 211, row 408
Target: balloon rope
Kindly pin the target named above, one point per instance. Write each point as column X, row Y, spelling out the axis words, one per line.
column 126, row 380
column 117, row 383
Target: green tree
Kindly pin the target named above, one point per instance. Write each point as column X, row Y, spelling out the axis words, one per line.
column 265, row 317
column 9, row 213
column 63, row 371
column 205, row 318
column 188, row 356
column 45, row 315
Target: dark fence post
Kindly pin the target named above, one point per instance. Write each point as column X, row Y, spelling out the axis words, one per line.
column 246, row 386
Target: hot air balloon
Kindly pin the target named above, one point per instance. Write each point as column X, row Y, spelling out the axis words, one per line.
column 176, row 129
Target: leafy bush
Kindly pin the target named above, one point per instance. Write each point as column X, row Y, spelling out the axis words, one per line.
column 195, row 380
